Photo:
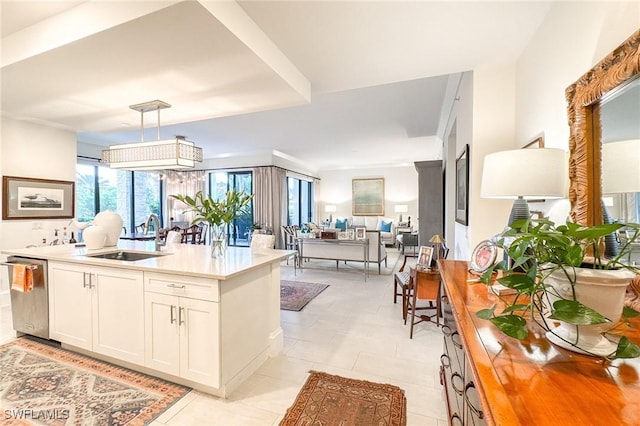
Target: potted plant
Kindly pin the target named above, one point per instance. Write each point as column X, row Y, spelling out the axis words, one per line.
column 560, row 279
column 217, row 213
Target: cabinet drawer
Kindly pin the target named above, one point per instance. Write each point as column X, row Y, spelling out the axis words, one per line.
column 178, row 285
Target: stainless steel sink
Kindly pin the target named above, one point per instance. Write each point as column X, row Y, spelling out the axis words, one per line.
column 128, row 256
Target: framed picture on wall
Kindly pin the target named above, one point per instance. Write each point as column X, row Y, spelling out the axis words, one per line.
column 368, row 197
column 31, row 198
column 462, row 187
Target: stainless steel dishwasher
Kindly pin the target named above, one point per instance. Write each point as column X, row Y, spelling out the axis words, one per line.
column 30, row 310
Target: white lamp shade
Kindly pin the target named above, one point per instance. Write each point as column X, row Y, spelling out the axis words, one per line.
column 621, row 167
column 330, row 208
column 401, row 208
column 529, row 173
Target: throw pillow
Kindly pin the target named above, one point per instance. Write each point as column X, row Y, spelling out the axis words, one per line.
column 385, row 226
column 341, row 224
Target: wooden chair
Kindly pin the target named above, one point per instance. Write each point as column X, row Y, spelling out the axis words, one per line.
column 423, row 286
column 193, row 235
column 401, row 278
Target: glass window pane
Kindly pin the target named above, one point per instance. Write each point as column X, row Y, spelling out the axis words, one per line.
column 294, row 201
column 85, row 192
column 305, row 208
column 115, row 193
column 146, row 193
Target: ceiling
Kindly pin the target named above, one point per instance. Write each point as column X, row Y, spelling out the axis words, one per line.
column 331, row 84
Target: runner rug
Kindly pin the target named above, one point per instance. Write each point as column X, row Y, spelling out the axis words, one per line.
column 294, row 295
column 333, row 400
column 43, row 384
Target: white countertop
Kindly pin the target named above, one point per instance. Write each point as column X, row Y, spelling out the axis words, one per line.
column 181, row 259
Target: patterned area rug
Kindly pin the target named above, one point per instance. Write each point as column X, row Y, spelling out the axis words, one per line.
column 333, row 400
column 43, row 384
column 294, row 295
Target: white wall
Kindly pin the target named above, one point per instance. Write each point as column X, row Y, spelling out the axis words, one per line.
column 401, row 187
column 571, row 40
column 32, row 150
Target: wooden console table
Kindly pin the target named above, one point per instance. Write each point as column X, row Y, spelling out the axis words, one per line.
column 338, row 250
column 493, row 379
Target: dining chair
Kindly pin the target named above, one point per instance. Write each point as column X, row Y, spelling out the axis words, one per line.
column 174, row 237
column 401, row 278
column 192, row 234
column 262, row 241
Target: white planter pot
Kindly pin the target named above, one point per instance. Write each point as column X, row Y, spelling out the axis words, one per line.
column 600, row 290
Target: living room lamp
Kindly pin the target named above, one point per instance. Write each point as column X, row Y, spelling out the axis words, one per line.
column 330, row 208
column 525, row 174
column 400, row 208
column 437, row 241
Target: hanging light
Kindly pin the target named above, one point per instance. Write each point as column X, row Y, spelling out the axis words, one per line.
column 177, row 153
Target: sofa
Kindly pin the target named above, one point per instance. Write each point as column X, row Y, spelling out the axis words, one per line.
column 371, row 223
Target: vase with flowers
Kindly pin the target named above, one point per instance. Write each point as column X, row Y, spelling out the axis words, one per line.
column 219, row 214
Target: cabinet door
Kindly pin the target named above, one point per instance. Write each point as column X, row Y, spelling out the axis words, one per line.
column 199, row 341
column 70, row 305
column 162, row 337
column 118, row 314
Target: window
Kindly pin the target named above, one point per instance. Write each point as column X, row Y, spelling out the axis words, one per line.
column 240, row 229
column 133, row 195
column 300, row 201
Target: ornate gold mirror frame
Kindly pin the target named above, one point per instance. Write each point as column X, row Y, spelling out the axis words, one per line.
column 617, row 68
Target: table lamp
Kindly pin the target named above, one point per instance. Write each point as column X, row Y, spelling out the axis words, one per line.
column 330, row 208
column 525, row 174
column 437, row 241
column 401, row 208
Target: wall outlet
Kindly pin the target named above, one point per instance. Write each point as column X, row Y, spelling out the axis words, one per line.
column 36, row 226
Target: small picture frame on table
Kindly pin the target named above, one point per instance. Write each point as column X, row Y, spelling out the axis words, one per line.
column 361, row 233
column 351, row 233
column 343, row 235
column 424, row 257
column 483, row 256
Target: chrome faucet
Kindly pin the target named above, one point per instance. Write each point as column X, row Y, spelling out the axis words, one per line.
column 151, row 217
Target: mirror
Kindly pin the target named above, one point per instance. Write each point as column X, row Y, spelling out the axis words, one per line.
column 584, row 103
column 620, row 138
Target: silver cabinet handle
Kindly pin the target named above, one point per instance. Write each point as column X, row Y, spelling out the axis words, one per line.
column 176, row 286
column 180, row 316
column 173, row 314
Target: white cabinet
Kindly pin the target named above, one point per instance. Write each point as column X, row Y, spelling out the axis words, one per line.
column 100, row 310
column 182, row 335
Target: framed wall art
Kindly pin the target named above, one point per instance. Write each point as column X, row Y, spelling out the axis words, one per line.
column 462, row 187
column 30, row 198
column 368, row 197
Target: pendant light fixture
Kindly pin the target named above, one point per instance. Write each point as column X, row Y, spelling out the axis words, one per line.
column 177, row 153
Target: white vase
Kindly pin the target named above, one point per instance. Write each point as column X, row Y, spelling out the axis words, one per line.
column 598, row 289
column 94, row 237
column 112, row 224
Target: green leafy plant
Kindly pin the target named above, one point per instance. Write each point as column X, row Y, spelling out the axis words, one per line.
column 538, row 248
column 235, row 204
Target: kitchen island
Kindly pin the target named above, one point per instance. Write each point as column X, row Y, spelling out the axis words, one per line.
column 205, row 322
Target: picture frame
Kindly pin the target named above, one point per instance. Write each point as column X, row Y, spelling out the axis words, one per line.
column 425, row 254
column 462, row 185
column 483, row 256
column 352, row 233
column 343, row 235
column 367, row 196
column 361, row 233
column 31, row 198
column 538, row 142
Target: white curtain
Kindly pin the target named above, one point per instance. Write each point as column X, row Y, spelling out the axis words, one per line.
column 182, row 183
column 316, row 195
column 270, row 200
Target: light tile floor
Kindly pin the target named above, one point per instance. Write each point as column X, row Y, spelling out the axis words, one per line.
column 353, row 329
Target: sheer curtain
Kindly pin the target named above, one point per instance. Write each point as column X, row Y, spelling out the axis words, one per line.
column 184, row 183
column 270, row 200
column 316, row 194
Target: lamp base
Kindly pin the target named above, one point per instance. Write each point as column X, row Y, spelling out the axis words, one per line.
column 519, row 211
